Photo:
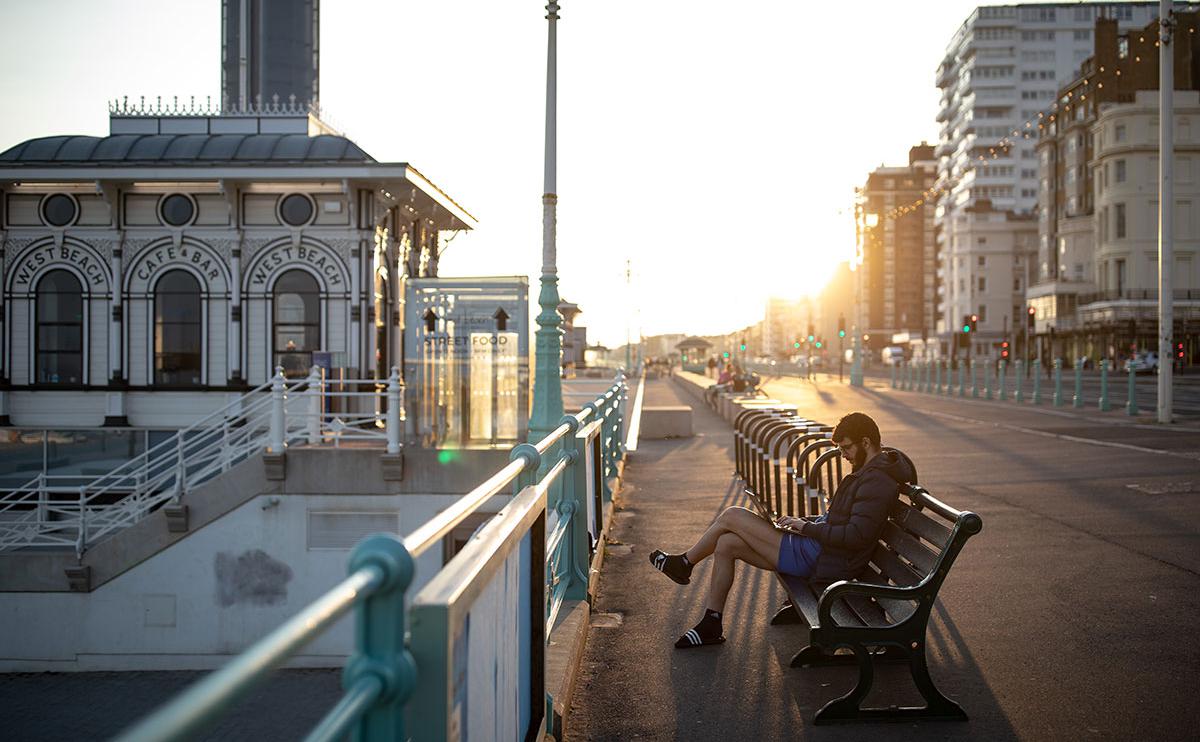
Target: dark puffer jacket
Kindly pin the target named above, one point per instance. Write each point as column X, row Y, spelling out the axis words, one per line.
column 857, row 513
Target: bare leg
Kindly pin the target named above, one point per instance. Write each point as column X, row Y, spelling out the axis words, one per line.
column 761, row 537
column 730, row 548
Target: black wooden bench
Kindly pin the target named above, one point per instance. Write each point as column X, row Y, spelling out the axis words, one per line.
column 885, row 616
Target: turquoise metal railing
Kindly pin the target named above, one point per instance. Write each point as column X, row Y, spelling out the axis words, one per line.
column 408, row 668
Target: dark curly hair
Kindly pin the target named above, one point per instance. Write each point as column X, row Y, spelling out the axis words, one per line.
column 856, row 426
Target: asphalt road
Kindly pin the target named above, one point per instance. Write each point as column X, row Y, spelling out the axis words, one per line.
column 1071, row 616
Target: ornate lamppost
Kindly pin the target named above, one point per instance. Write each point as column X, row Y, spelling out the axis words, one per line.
column 547, row 386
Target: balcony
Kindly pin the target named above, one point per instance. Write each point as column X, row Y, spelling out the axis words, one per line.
column 1137, row 295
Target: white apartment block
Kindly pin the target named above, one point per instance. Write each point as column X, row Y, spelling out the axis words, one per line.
column 1003, row 66
column 1126, row 218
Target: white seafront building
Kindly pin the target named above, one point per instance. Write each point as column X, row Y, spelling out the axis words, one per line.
column 183, row 257
column 1002, row 67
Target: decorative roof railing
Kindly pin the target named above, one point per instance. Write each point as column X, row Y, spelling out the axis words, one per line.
column 190, row 107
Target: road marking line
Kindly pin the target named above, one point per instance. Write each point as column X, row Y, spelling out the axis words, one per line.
column 1064, row 437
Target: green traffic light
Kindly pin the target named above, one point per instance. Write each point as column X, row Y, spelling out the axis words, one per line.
column 841, row 333
column 810, row 338
column 726, row 354
column 818, row 343
column 795, row 345
column 966, row 328
column 743, row 346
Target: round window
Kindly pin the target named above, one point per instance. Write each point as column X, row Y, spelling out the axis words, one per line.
column 296, row 209
column 59, row 210
column 178, row 210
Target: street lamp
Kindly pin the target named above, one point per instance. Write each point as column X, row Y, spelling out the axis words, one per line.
column 547, row 385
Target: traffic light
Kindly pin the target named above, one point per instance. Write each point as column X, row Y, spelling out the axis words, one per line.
column 1004, row 349
column 811, row 331
column 818, row 344
column 1179, row 350
column 796, row 344
column 841, row 325
column 811, row 337
column 1032, row 315
column 974, row 323
column 725, row 354
column 743, row 346
column 966, row 323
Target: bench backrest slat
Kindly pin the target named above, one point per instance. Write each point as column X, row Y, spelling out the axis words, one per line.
column 892, row 569
column 909, row 548
column 919, row 524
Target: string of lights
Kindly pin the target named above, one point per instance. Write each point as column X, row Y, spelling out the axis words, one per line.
column 1002, row 147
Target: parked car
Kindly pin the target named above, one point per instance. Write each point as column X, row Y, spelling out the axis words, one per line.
column 1145, row 362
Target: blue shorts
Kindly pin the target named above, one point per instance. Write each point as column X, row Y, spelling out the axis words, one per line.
column 798, row 555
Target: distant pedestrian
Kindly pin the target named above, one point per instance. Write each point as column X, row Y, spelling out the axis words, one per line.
column 824, row 549
column 712, row 366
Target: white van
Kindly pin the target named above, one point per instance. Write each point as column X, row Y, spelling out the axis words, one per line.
column 892, row 355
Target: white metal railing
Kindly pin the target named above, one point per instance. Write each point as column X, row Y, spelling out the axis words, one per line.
column 268, row 418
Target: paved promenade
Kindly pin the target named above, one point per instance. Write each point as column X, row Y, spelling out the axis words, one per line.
column 1069, row 617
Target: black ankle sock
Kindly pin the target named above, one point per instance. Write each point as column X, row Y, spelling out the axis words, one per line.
column 708, row 631
column 675, row 566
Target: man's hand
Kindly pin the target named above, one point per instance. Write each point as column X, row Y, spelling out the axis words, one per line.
column 789, row 522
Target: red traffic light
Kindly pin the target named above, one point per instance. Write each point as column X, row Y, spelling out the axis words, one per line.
column 1004, row 344
column 1032, row 311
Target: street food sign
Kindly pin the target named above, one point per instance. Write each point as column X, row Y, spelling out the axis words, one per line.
column 466, row 360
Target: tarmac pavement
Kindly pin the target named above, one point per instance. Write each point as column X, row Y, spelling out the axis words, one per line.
column 1071, row 616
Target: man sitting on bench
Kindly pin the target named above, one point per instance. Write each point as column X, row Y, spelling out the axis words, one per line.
column 835, row 546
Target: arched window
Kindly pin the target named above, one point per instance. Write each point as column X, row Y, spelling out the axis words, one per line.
column 59, row 329
column 297, row 321
column 177, row 323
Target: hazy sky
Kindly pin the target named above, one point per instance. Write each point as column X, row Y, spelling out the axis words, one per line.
column 715, row 144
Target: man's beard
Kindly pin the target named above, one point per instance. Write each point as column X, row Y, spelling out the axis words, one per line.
column 860, row 459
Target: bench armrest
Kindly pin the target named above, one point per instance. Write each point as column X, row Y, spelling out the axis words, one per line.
column 843, row 588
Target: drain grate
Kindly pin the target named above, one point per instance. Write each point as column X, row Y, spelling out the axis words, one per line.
column 607, row 620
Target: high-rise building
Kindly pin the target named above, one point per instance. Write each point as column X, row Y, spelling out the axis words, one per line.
column 897, row 274
column 270, row 50
column 1001, row 69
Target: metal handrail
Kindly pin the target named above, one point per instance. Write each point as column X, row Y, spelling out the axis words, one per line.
column 381, row 569
column 188, row 711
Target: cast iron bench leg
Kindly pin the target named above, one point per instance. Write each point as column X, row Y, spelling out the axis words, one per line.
column 846, row 707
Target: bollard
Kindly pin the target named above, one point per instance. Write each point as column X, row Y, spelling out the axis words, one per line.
column 1000, row 380
column 1131, row 407
column 275, row 442
column 937, row 383
column 962, row 379
column 314, row 405
column 1104, row 405
column 1018, row 395
column 1058, row 398
column 987, row 379
column 1036, row 365
column 893, row 375
column 928, row 376
column 1078, row 400
column 974, row 380
column 395, row 411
